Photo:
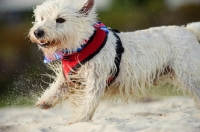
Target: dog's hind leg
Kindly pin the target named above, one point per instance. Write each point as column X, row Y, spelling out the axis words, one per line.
column 187, row 74
column 55, row 94
column 191, row 84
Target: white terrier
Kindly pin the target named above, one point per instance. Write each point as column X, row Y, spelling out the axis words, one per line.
column 93, row 61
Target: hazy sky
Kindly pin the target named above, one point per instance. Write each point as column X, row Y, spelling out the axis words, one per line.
column 16, row 5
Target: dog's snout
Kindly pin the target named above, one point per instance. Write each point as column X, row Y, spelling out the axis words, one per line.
column 39, row 33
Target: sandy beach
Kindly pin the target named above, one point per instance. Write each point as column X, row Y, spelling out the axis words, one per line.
column 171, row 114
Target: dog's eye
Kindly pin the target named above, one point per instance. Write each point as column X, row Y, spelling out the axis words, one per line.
column 42, row 18
column 60, row 20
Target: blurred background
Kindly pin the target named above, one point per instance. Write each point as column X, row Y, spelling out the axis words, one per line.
column 21, row 63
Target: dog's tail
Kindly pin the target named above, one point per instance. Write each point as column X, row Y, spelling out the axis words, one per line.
column 195, row 28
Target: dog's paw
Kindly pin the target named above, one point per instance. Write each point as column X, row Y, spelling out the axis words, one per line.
column 44, row 105
column 76, row 119
column 71, row 122
column 47, row 104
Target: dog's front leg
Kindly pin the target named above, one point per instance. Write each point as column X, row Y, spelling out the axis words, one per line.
column 86, row 101
column 55, row 94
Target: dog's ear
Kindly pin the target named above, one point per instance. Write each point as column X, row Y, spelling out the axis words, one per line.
column 87, row 7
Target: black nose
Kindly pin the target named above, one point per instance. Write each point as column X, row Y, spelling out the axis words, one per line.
column 39, row 33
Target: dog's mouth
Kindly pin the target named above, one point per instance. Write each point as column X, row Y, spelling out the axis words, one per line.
column 46, row 44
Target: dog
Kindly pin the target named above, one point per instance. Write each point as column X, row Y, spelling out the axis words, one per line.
column 91, row 61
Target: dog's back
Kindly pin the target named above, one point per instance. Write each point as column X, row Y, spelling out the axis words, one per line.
column 157, row 55
column 195, row 28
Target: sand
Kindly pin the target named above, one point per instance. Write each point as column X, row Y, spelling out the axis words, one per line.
column 171, row 114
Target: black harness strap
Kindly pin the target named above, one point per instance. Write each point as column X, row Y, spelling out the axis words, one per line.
column 119, row 50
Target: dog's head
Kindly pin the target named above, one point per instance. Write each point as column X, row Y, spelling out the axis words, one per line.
column 62, row 24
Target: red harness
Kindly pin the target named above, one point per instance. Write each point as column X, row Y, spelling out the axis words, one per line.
column 71, row 62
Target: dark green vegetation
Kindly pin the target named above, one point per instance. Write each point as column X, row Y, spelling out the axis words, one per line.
column 21, row 62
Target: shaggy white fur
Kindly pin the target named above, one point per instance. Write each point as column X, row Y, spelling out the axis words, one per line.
column 160, row 54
